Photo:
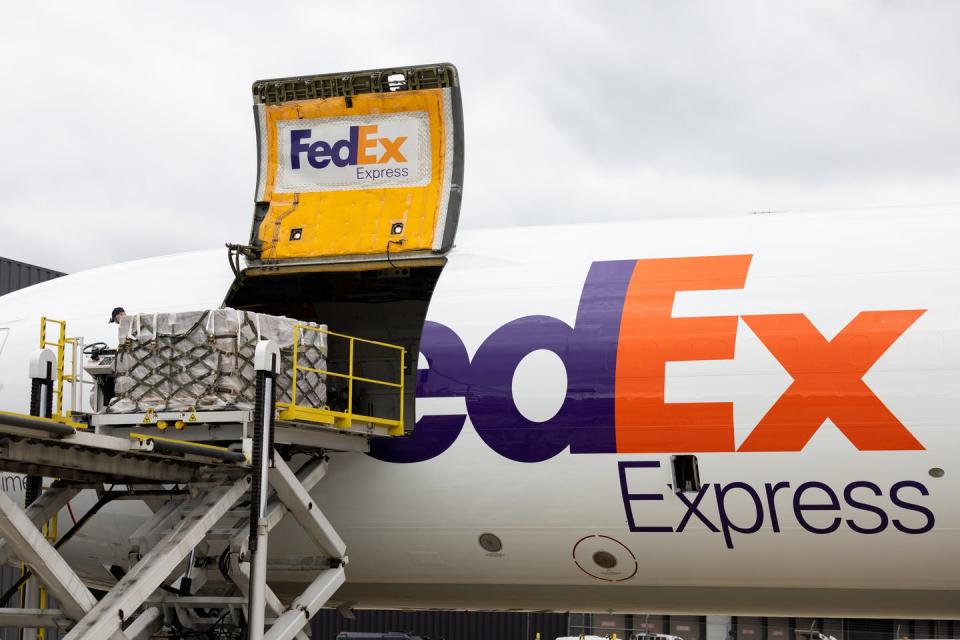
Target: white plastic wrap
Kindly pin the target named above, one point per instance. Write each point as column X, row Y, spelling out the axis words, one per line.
column 203, row 360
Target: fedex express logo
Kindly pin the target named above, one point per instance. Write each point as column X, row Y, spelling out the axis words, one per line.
column 387, row 150
column 615, row 356
column 362, row 146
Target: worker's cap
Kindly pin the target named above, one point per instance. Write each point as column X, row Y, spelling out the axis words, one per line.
column 113, row 314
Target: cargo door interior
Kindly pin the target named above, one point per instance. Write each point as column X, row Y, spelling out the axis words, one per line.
column 359, row 179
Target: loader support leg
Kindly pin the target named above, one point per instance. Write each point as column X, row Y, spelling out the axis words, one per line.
column 41, row 404
column 267, row 363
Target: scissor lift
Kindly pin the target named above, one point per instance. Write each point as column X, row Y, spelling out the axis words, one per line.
column 127, row 450
column 371, row 241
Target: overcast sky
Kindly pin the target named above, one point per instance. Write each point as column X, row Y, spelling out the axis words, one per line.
column 126, row 127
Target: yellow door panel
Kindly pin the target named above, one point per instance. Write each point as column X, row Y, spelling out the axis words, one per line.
column 375, row 173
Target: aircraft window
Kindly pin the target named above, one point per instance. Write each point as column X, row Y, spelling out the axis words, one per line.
column 686, row 475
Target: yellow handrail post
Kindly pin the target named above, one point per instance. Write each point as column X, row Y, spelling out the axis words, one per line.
column 23, row 587
column 61, row 356
column 293, row 382
column 61, row 345
column 350, row 381
column 76, row 388
column 403, row 353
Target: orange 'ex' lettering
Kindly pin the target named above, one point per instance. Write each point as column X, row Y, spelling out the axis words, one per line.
column 828, row 382
column 366, row 144
column 828, row 375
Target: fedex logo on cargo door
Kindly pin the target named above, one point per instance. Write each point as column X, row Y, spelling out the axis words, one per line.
column 339, row 154
column 615, row 356
column 360, row 147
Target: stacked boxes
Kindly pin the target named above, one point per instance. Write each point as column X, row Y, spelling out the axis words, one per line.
column 203, row 360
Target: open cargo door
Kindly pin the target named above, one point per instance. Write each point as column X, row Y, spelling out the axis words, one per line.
column 358, row 166
column 357, row 203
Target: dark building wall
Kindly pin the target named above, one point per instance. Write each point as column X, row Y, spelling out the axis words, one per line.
column 845, row 629
column 650, row 624
column 459, row 625
column 779, row 629
column 448, row 625
column 750, row 628
column 17, row 275
column 604, row 625
column 688, row 627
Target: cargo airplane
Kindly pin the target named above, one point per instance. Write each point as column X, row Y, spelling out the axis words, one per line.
column 722, row 415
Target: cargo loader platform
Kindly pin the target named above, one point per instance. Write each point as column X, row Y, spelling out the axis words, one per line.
column 234, row 426
column 44, row 447
column 197, row 470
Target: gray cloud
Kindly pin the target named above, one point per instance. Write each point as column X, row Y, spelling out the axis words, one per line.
column 127, row 129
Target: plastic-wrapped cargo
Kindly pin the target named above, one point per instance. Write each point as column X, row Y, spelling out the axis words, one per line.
column 203, row 360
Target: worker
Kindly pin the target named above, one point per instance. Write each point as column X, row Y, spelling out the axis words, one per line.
column 116, row 314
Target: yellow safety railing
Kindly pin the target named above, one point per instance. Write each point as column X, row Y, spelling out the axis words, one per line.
column 343, row 419
column 61, row 344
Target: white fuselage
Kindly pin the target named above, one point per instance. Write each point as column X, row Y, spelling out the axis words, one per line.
column 818, row 429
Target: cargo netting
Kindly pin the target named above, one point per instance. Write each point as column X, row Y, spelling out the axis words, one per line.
column 203, row 360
